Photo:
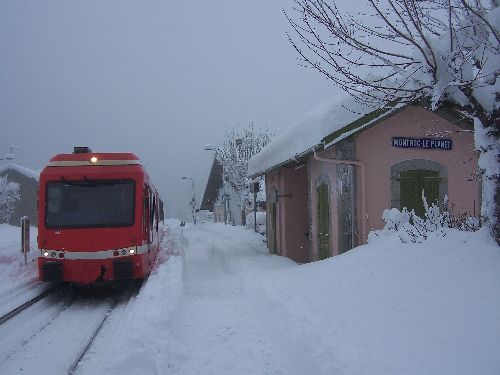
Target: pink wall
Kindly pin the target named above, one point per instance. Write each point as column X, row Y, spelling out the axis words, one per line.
column 375, row 150
column 296, row 244
column 292, row 222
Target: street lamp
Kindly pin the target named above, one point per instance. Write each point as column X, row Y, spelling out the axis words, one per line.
column 193, row 199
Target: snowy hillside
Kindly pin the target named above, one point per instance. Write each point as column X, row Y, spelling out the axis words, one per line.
column 220, row 304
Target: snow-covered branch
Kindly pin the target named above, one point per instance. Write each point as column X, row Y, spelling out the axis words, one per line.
column 447, row 51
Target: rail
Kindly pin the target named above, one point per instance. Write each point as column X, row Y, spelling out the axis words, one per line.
column 92, row 338
column 133, row 291
column 31, row 302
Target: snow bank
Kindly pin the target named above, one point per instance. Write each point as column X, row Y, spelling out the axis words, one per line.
column 15, row 276
column 382, row 308
column 389, row 308
column 139, row 343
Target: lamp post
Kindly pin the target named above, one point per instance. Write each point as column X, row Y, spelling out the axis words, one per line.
column 193, row 199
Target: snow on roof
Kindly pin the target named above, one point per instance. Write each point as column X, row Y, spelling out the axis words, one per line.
column 19, row 168
column 308, row 132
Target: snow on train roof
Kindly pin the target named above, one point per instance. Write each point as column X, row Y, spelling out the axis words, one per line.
column 19, row 168
column 95, row 159
column 100, row 155
column 309, row 131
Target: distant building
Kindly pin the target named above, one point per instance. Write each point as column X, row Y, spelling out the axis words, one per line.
column 211, row 201
column 28, row 191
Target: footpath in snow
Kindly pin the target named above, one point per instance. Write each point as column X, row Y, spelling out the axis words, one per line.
column 384, row 308
column 220, row 304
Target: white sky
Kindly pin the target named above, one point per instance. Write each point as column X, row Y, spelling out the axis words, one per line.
column 158, row 78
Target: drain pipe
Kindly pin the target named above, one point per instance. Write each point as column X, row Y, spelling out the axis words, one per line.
column 363, row 187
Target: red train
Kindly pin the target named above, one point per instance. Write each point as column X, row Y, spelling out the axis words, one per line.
column 98, row 218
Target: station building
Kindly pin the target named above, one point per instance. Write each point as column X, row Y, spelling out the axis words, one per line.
column 330, row 177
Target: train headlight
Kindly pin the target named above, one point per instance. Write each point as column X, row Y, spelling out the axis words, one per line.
column 93, row 160
column 131, row 251
column 45, row 253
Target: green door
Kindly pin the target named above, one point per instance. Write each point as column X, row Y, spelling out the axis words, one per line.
column 271, row 227
column 411, row 185
column 323, row 222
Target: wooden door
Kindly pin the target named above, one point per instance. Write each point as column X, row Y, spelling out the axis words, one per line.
column 411, row 185
column 323, row 222
column 271, row 227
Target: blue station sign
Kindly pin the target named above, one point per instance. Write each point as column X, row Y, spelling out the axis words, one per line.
column 425, row 143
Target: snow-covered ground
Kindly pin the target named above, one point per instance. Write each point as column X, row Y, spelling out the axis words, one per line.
column 220, row 304
column 17, row 281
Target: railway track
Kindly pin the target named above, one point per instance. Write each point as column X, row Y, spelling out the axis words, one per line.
column 92, row 338
column 57, row 335
column 29, row 303
column 117, row 301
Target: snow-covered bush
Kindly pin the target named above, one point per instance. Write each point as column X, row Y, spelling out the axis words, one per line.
column 394, row 218
column 412, row 228
column 261, row 222
column 9, row 194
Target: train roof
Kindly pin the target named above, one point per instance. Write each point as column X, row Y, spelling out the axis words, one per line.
column 94, row 158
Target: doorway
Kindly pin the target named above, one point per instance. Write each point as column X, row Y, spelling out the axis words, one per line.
column 323, row 221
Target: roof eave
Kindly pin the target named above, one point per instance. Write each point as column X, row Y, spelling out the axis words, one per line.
column 296, row 159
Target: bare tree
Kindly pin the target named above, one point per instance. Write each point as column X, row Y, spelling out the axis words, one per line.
column 445, row 50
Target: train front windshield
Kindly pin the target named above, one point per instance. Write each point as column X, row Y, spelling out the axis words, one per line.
column 89, row 203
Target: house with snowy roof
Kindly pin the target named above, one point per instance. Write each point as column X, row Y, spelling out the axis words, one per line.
column 333, row 173
column 28, row 191
column 210, row 201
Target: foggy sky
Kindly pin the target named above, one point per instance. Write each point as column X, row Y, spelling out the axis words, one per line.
column 158, row 78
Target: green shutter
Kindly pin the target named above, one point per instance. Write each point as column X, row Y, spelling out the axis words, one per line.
column 411, row 185
column 323, row 222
